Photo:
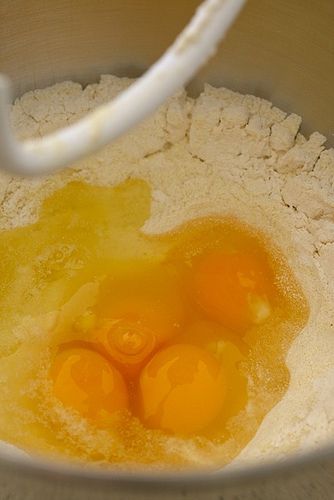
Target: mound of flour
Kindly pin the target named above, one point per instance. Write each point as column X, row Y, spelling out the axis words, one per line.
column 222, row 153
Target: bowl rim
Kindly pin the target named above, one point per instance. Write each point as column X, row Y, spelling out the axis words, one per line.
column 52, row 471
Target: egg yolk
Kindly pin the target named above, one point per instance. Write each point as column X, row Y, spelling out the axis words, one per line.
column 127, row 343
column 85, row 381
column 161, row 314
column 181, row 389
column 136, row 327
column 233, row 288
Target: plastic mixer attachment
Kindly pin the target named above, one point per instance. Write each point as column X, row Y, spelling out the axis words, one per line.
column 192, row 48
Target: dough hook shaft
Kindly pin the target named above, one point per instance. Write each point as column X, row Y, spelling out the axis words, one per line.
column 189, row 52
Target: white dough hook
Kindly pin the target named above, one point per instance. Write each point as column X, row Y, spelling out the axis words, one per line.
column 191, row 49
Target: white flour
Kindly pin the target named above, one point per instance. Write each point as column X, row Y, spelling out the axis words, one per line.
column 229, row 154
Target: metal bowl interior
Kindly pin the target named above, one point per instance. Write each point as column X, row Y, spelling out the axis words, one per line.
column 282, row 51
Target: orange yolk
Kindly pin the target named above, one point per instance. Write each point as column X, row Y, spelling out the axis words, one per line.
column 161, row 314
column 233, row 288
column 135, row 328
column 181, row 389
column 127, row 343
column 85, row 381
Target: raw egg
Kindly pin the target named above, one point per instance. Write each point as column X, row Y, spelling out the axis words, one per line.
column 135, row 326
column 233, row 288
column 84, row 381
column 177, row 338
column 127, row 343
column 181, row 389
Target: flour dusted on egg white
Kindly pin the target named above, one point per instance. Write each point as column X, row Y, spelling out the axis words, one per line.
column 228, row 154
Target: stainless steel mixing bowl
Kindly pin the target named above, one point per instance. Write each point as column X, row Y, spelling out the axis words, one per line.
column 282, row 50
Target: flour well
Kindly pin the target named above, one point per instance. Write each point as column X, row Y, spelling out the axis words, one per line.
column 228, row 154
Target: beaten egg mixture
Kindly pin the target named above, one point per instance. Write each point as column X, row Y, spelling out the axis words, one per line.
column 135, row 345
